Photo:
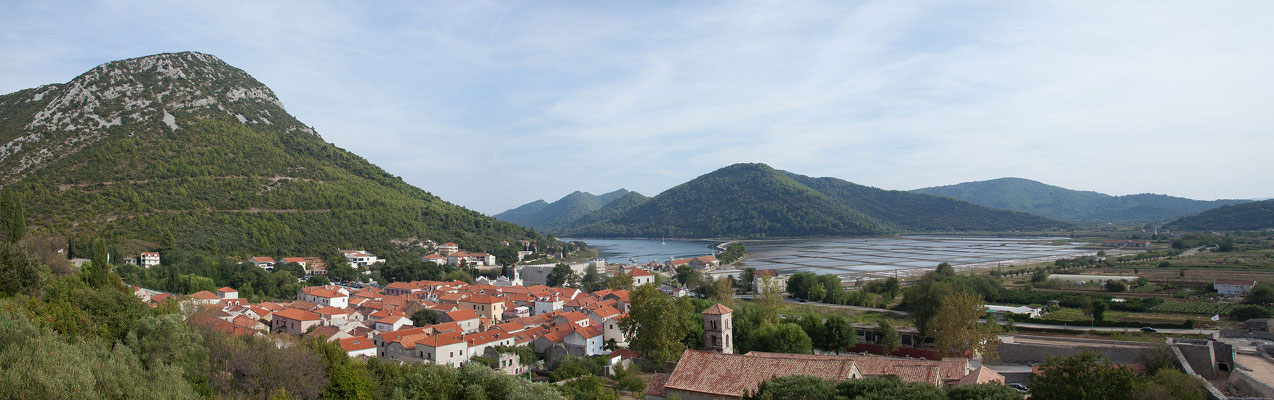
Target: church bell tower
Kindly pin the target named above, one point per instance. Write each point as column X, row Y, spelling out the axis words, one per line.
column 717, row 329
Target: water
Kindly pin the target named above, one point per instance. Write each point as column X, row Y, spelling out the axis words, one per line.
column 846, row 256
column 647, row 250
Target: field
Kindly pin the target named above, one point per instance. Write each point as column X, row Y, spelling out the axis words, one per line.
column 1193, row 307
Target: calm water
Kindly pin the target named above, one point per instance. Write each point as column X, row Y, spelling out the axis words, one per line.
column 647, row 250
column 845, row 255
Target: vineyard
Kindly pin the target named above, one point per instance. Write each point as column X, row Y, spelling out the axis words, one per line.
column 1192, row 307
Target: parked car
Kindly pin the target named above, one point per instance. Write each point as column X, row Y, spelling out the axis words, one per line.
column 1149, row 329
column 1018, row 387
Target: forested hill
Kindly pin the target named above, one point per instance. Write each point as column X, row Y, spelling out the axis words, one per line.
column 182, row 150
column 757, row 201
column 558, row 214
column 1257, row 215
column 922, row 212
column 1072, row 205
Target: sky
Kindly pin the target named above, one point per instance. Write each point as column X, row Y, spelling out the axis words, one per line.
column 492, row 104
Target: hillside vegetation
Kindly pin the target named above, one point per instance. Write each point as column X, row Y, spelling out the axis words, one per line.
column 196, row 154
column 757, row 201
column 1072, row 205
column 1252, row 216
column 559, row 214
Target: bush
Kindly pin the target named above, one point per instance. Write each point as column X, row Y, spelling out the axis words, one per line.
column 1249, row 311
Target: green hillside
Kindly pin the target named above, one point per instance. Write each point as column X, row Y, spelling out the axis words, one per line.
column 560, row 213
column 612, row 210
column 184, row 151
column 738, row 201
column 921, row 212
column 1072, row 205
column 1257, row 215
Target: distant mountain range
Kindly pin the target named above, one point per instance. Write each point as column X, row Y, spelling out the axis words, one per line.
column 546, row 216
column 1257, row 215
column 757, row 201
column 182, row 150
column 1072, row 205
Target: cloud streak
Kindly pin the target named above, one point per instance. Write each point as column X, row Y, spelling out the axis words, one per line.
column 536, row 102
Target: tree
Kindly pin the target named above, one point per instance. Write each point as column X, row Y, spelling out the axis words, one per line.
column 984, row 391
column 458, row 275
column 747, row 279
column 801, row 283
column 1170, row 383
column 838, row 333
column 558, row 275
column 923, row 300
column 166, row 340
column 22, row 273
column 782, row 338
column 892, row 288
column 1098, row 309
column 945, row 269
column 888, row 388
column 889, row 337
column 800, row 387
column 318, row 280
column 656, row 324
column 619, row 281
column 13, row 223
column 1261, row 294
column 424, row 317
column 592, row 281
column 769, row 300
column 724, row 292
column 956, row 329
column 687, row 276
column 99, row 271
column 1116, row 286
column 1084, row 376
column 1249, row 311
column 589, row 387
column 1165, row 264
column 816, row 293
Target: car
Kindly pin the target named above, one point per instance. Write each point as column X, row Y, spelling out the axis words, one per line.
column 1149, row 329
column 1018, row 387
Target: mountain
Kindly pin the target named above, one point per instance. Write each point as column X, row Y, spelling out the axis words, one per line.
column 1072, row 205
column 1252, row 216
column 182, row 150
column 921, row 212
column 612, row 210
column 757, row 201
column 555, row 215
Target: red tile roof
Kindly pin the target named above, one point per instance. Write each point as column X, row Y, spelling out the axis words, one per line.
column 730, row 375
column 442, row 339
column 296, row 315
column 655, row 387
column 981, row 375
column 483, row 299
column 717, row 309
column 204, row 295
column 356, row 344
column 463, row 314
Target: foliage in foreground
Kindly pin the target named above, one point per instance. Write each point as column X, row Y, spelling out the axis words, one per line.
column 811, row 388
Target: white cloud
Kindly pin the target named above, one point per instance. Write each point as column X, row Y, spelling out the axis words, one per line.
column 541, row 100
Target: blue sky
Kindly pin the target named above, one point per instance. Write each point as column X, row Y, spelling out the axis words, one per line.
column 491, row 104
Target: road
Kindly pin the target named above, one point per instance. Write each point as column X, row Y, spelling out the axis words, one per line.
column 840, row 306
column 1111, row 329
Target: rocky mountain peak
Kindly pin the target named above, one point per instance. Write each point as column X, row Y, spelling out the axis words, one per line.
column 155, row 93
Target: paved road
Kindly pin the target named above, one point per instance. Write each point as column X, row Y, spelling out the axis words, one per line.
column 842, row 306
column 1111, row 329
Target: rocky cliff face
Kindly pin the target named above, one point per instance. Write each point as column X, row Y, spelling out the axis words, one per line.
column 129, row 97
